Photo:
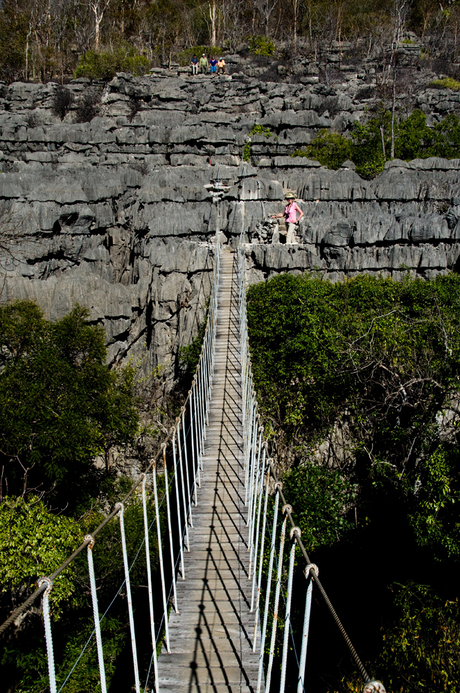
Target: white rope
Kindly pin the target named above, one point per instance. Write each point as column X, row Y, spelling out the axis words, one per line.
column 254, row 533
column 97, row 624
column 149, row 582
column 267, row 593
column 306, row 629
column 182, row 484
column 287, row 611
column 197, row 433
column 262, row 545
column 252, row 455
column 160, row 556
column 254, row 480
column 275, row 608
column 48, row 633
column 203, row 404
column 187, row 474
column 255, row 546
column 170, row 533
column 179, row 521
column 195, row 466
column 129, row 598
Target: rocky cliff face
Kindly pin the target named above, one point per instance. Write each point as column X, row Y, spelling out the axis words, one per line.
column 118, row 213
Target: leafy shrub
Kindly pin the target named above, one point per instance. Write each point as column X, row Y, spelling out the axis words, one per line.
column 372, row 144
column 446, row 83
column 88, row 107
column 62, row 102
column 320, row 498
column 189, row 355
column 257, row 129
column 105, row 64
column 262, row 130
column 34, row 543
column 247, row 150
column 329, row 148
column 369, row 146
column 421, row 649
column 261, row 45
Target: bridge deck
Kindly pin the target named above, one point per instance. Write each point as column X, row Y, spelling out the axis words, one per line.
column 211, row 636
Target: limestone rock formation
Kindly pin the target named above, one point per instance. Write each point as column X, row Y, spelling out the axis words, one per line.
column 119, row 214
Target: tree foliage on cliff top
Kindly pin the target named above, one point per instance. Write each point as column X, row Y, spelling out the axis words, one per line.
column 369, row 145
column 45, row 40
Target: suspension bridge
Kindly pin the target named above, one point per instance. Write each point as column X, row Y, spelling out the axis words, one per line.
column 221, row 553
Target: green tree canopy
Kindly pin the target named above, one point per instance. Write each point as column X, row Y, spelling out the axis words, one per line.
column 60, row 404
column 380, row 358
column 358, row 384
column 369, row 143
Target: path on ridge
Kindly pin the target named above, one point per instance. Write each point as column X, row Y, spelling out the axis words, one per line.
column 211, row 636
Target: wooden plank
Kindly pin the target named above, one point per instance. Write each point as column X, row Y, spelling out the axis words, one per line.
column 211, row 637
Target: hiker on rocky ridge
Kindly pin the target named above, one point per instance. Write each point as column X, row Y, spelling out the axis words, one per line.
column 204, row 64
column 290, row 215
column 194, row 65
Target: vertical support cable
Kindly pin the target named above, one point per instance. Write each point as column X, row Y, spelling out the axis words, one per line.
column 121, row 508
column 262, row 546
column 48, row 633
column 182, row 483
column 179, row 520
column 247, row 446
column 196, row 467
column 197, row 434
column 198, row 408
column 276, row 606
column 168, row 513
column 295, row 532
column 268, row 589
column 252, row 454
column 97, row 624
column 306, row 628
column 149, row 583
column 203, row 391
column 208, row 357
column 199, row 412
column 254, row 476
column 189, row 486
column 257, row 509
column 202, row 410
column 160, row 555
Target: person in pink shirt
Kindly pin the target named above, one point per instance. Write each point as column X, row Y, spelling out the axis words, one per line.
column 290, row 215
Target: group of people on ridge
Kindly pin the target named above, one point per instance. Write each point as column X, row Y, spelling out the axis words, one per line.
column 213, row 66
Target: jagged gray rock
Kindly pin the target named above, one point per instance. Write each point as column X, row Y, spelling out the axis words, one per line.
column 115, row 213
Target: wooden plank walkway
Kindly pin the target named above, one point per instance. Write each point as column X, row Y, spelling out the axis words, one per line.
column 211, row 636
